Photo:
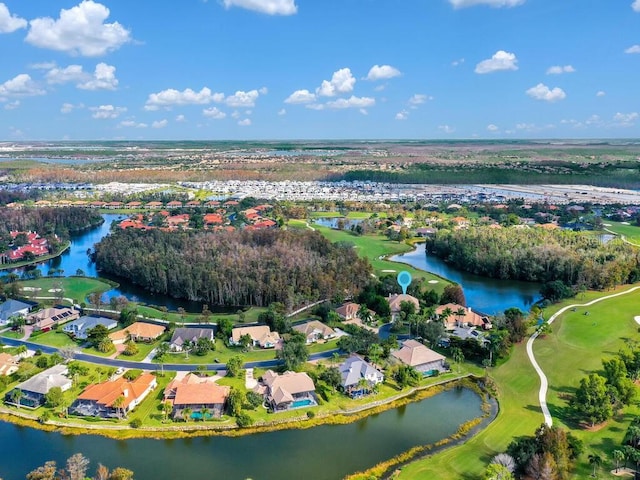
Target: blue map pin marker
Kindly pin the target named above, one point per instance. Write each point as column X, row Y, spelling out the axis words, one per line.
column 404, row 280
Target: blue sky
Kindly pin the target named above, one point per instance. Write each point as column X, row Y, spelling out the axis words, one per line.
column 319, row 69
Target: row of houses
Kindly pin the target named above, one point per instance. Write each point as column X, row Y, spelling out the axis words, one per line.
column 35, row 246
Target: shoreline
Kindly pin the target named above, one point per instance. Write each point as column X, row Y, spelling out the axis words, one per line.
column 126, row 432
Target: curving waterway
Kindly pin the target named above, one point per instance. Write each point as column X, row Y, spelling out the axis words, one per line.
column 321, row 453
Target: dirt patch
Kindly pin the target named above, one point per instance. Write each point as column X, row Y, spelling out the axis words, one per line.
column 594, row 428
column 623, row 472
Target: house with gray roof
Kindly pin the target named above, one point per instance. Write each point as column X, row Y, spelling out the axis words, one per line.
column 185, row 336
column 13, row 307
column 79, row 328
column 34, row 390
column 358, row 376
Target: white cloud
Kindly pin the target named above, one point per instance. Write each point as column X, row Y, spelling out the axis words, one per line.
column 282, row 112
column 342, row 81
column 20, row 86
column 107, row 111
column 560, row 69
column 12, row 105
column 43, row 65
column 214, row 113
column 419, row 99
column 263, row 90
column 270, row 7
column 160, row 123
column 363, row 111
column 500, row 60
column 403, row 115
column 79, row 31
column 10, row 23
column 446, row 129
column 633, row 49
column 171, row 97
column 542, row 92
column 315, row 106
column 457, row 63
column 242, row 99
column 245, row 123
column 600, row 93
column 636, row 6
column 132, row 124
column 352, row 102
column 382, row 72
column 625, row 119
column 181, row 118
column 70, row 107
column 235, row 114
column 72, row 73
column 301, row 96
column 491, row 3
column 104, row 78
column 493, row 128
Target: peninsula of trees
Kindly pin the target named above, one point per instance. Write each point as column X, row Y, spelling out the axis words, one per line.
column 235, row 268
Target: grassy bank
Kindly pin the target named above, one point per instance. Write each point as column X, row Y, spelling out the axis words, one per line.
column 77, row 288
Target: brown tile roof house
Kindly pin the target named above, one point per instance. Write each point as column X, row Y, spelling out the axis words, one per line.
column 48, row 318
column 100, row 400
column 139, row 332
column 261, row 335
column 396, row 300
column 423, row 359
column 174, row 204
column 153, row 204
column 315, row 330
column 8, row 364
column 196, row 393
column 289, row 390
column 469, row 318
column 348, row 311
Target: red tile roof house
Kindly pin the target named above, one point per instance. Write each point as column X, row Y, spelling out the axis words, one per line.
column 101, row 400
column 153, row 205
column 348, row 311
column 174, row 204
column 196, row 393
column 463, row 317
column 289, row 390
column 213, row 219
column 36, row 245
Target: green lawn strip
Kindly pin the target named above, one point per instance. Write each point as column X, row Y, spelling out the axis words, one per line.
column 10, row 334
column 40, row 259
column 297, row 224
column 222, row 353
column 323, row 346
column 77, row 288
column 630, row 232
column 149, row 411
column 376, row 246
column 325, row 214
column 251, row 315
column 54, row 338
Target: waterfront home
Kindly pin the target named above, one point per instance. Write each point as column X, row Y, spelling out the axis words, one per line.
column 34, row 390
column 47, row 318
column 138, row 332
column 189, row 336
column 8, row 364
column 261, row 336
column 35, row 245
column 201, row 395
column 113, row 398
column 456, row 315
column 13, row 308
column 423, row 359
column 289, row 390
column 395, row 304
column 314, row 331
column 79, row 329
column 358, row 376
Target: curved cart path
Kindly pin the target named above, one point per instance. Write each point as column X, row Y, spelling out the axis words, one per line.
column 544, row 384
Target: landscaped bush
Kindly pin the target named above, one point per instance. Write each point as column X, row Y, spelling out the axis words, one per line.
column 131, row 349
column 244, row 420
column 135, row 423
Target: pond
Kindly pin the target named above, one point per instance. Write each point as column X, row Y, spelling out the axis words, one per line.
column 487, row 295
column 320, row 453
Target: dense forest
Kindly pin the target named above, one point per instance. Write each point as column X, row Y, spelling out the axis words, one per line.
column 47, row 221
column 539, row 255
column 234, row 268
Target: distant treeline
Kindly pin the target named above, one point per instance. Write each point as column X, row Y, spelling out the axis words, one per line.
column 234, row 268
column 539, row 255
column 48, row 221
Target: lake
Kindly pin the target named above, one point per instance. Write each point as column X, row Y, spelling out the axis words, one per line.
column 321, row 453
column 487, row 295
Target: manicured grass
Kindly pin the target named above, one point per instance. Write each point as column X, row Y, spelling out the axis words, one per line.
column 630, row 232
column 575, row 348
column 250, row 315
column 222, row 353
column 325, row 214
column 77, row 288
column 375, row 247
column 54, row 338
column 297, row 224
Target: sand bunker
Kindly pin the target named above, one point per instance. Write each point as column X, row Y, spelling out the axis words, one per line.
column 31, row 289
column 55, row 290
column 388, row 271
column 433, row 281
column 637, row 319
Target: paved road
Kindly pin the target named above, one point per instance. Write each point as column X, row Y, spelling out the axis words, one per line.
column 544, row 384
column 174, row 367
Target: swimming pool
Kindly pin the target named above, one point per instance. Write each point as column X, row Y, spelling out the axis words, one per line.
column 302, row 403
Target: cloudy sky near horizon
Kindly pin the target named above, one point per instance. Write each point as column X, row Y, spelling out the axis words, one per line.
column 319, row 69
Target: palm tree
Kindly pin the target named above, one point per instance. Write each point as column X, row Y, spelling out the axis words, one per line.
column 204, row 411
column 118, row 403
column 457, row 356
column 166, row 409
column 618, row 456
column 632, row 437
column 186, row 414
column 596, row 461
column 446, row 313
column 16, row 396
column 460, row 313
column 364, row 314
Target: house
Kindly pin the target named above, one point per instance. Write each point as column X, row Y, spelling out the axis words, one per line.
column 113, row 398
column 314, row 331
column 460, row 316
column 174, row 204
column 12, row 308
column 79, row 329
column 138, row 332
column 261, row 335
column 289, row 390
column 213, row 219
column 421, row 358
column 358, row 376
column 348, row 311
column 182, row 336
column 47, row 318
column 36, row 388
column 8, row 364
column 196, row 393
column 153, row 205
column 395, row 303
